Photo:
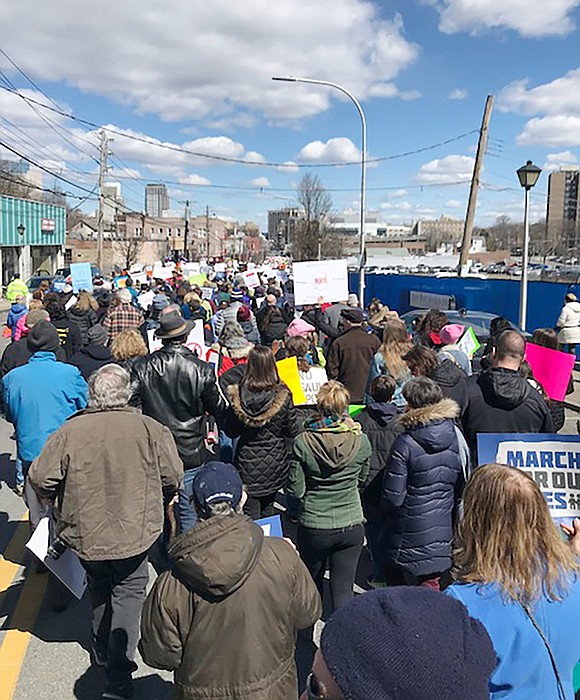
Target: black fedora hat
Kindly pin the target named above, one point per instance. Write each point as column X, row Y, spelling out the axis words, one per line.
column 173, row 325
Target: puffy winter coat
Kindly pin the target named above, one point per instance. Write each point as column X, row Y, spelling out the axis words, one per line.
column 83, row 320
column 262, row 420
column 379, row 423
column 421, row 487
column 17, row 311
column 452, row 381
column 500, row 400
column 177, row 389
column 91, row 358
column 225, row 618
column 569, row 323
column 350, row 358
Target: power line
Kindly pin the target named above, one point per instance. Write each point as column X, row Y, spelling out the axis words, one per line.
column 26, row 185
column 241, row 161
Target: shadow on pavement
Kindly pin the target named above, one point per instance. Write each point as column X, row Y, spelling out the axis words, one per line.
column 13, row 550
column 7, row 469
column 90, row 686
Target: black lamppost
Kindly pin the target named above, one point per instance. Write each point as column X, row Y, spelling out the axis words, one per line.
column 528, row 175
column 21, row 229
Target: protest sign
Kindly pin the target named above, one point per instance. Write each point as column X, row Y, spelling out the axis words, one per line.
column 319, row 281
column 553, row 461
column 271, row 526
column 197, row 280
column 67, row 567
column 288, row 371
column 469, row 343
column 551, row 368
column 162, row 273
column 207, row 293
column 251, row 279
column 354, row 409
column 71, row 302
column 81, row 276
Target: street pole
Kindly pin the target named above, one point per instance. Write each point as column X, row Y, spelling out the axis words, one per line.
column 103, row 153
column 186, row 230
column 470, row 215
column 291, row 79
column 524, row 285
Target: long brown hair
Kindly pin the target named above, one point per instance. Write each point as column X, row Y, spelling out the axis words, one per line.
column 507, row 536
column 297, row 346
column 421, row 360
column 261, row 372
column 395, row 344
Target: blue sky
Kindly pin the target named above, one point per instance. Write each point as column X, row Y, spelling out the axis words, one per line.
column 197, row 75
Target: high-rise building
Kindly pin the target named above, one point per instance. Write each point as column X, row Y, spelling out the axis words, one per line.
column 281, row 225
column 563, row 215
column 113, row 203
column 156, row 199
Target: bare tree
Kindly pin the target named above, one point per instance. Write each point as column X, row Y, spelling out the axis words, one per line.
column 311, row 236
column 11, row 185
column 128, row 248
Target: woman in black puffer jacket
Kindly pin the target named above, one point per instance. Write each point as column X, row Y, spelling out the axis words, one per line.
column 83, row 315
column 422, row 484
column 261, row 415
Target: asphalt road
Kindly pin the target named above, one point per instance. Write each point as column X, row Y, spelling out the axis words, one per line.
column 44, row 654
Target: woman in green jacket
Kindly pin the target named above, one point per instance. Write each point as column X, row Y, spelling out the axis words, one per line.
column 330, row 463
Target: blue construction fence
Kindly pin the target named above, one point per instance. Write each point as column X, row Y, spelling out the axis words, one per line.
column 496, row 296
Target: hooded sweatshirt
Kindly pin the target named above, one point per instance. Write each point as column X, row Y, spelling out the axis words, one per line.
column 225, row 618
column 328, row 466
column 499, row 400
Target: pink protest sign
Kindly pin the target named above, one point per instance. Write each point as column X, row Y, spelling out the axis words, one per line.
column 551, row 368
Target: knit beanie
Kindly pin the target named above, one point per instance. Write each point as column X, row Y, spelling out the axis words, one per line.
column 407, row 643
column 451, row 333
column 232, row 337
column 244, row 313
column 43, row 337
column 97, row 334
column 237, row 295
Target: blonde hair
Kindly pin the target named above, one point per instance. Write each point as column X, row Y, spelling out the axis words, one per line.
column 507, row 536
column 86, row 301
column 395, row 344
column 127, row 345
column 35, row 304
column 332, row 398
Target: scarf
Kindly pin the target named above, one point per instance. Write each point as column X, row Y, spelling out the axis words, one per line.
column 334, row 424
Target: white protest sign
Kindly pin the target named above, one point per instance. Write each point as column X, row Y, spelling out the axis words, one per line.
column 219, row 267
column 71, row 302
column 251, row 279
column 469, row 343
column 320, row 281
column 207, row 293
column 162, row 273
column 195, row 341
column 67, row 567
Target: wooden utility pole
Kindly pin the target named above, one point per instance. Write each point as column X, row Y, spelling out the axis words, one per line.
column 470, row 215
column 186, row 230
column 103, row 153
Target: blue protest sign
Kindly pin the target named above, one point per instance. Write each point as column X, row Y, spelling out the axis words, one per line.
column 82, row 277
column 553, row 461
column 272, row 526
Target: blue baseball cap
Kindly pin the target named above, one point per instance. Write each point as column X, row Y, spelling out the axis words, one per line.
column 216, row 482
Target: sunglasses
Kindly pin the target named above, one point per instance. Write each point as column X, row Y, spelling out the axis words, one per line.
column 315, row 690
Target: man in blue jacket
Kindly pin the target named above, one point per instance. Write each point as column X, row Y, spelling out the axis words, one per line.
column 38, row 398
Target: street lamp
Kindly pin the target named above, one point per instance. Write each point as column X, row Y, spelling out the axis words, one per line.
column 21, row 229
column 292, row 79
column 528, row 175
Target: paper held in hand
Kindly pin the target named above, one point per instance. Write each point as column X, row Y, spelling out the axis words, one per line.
column 67, row 567
column 318, row 281
column 469, row 343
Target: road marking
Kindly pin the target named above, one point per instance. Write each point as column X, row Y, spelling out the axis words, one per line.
column 17, row 638
column 13, row 553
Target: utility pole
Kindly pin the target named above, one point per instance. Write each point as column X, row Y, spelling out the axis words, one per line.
column 103, row 153
column 207, row 230
column 470, row 216
column 186, row 231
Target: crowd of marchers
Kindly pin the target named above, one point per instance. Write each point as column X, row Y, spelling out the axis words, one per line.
column 140, row 451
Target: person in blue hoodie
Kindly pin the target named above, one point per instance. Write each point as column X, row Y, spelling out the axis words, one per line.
column 17, row 311
column 379, row 422
column 38, row 398
column 520, row 579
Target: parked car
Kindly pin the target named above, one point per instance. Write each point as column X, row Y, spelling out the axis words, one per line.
column 34, row 282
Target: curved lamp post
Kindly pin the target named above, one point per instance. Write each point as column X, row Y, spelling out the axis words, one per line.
column 292, row 79
column 528, row 175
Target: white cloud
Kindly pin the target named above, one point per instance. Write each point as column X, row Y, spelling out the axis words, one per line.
column 553, row 131
column 336, row 150
column 397, row 206
column 528, row 18
column 289, row 166
column 453, row 203
column 457, row 94
column 555, row 160
column 193, row 179
column 397, row 193
column 254, row 157
column 559, row 96
column 260, row 182
column 191, row 60
column 452, row 168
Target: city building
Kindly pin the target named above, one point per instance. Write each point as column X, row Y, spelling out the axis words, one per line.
column 156, row 199
column 563, row 215
column 281, row 226
column 32, row 236
column 113, row 201
column 445, row 229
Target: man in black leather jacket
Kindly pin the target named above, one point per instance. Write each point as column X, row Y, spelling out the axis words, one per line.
column 177, row 389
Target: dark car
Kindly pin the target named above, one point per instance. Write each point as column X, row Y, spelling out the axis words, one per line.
column 34, row 282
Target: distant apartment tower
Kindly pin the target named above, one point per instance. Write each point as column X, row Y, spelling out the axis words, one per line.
column 113, row 201
column 563, row 215
column 156, row 200
column 281, row 225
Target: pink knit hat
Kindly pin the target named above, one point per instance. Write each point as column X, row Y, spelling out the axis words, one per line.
column 300, row 327
column 451, row 333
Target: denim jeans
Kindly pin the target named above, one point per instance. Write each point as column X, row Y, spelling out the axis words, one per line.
column 186, row 515
column 340, row 548
column 117, row 589
column 18, row 471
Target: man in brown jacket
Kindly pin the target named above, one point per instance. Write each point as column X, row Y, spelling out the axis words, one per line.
column 350, row 356
column 107, row 469
column 225, row 619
